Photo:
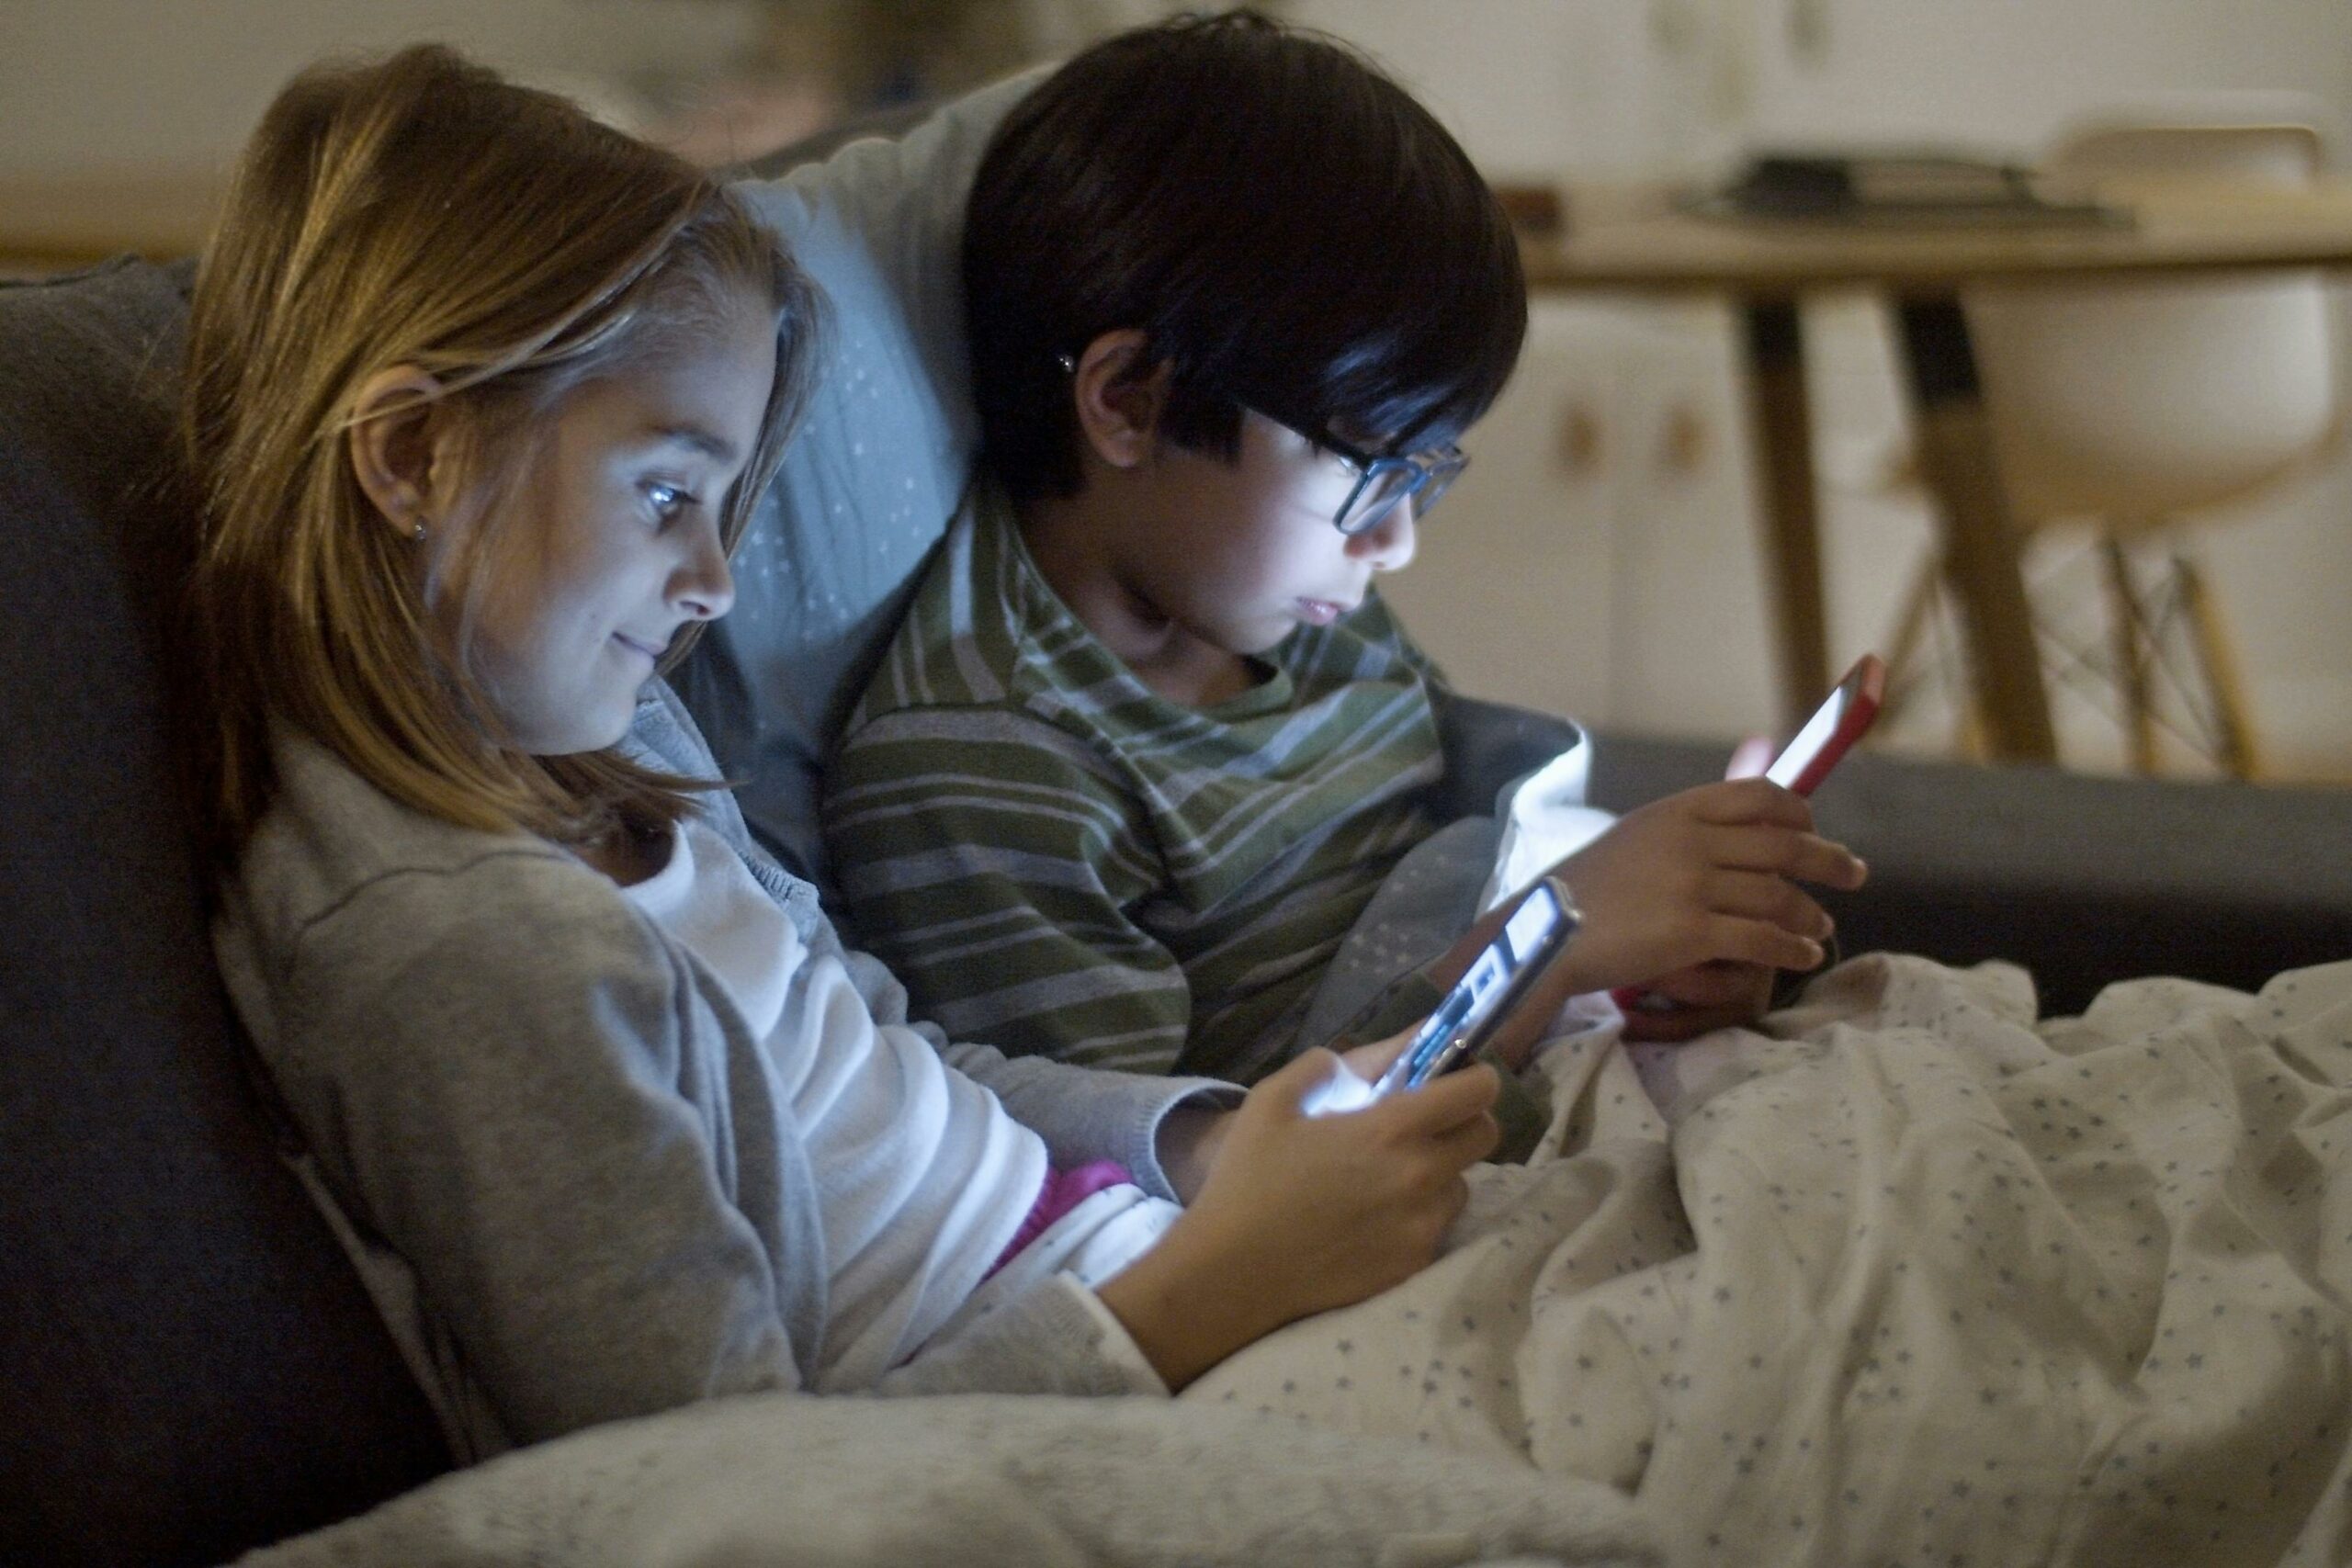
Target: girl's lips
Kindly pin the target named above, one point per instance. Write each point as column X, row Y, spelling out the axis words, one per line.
column 653, row 654
column 1319, row 612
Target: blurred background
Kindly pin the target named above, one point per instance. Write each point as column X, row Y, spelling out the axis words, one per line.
column 1601, row 555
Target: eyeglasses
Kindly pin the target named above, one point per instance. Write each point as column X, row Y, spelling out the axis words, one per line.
column 1383, row 483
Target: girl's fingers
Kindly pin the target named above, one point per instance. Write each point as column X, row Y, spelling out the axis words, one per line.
column 1371, row 1061
column 1445, row 1103
column 1301, row 1073
column 1465, row 1143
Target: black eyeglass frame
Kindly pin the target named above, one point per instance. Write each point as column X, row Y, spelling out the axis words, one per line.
column 1429, row 472
column 1432, row 469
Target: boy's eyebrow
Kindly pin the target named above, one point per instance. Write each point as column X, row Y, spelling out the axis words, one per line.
column 711, row 444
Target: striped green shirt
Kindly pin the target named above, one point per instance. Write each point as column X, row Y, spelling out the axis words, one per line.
column 1059, row 861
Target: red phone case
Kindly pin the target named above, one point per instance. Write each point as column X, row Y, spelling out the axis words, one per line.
column 1847, row 712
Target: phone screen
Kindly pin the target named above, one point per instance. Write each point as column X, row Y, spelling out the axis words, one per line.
column 1799, row 753
column 1835, row 726
column 1536, row 931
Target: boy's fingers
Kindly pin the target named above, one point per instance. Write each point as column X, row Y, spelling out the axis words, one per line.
column 1736, row 801
column 1803, row 856
column 1760, row 942
column 1750, row 758
column 1827, row 863
column 1684, row 1023
column 1758, row 896
column 1708, row 985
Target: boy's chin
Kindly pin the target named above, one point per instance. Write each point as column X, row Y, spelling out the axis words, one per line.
column 1255, row 642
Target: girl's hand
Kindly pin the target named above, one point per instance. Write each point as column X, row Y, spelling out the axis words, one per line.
column 1709, row 873
column 1190, row 1136
column 1302, row 1213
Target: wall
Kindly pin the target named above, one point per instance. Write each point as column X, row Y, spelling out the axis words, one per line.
column 96, row 85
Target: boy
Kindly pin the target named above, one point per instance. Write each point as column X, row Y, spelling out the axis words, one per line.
column 1147, row 743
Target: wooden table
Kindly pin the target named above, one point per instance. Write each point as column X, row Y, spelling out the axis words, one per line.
column 1624, row 239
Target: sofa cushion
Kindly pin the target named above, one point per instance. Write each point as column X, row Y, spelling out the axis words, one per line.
column 870, row 480
column 191, row 1365
column 2084, row 880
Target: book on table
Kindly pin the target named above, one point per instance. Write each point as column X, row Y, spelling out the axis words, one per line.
column 1897, row 188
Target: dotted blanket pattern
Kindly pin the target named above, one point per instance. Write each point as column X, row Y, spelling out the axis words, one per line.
column 1909, row 1278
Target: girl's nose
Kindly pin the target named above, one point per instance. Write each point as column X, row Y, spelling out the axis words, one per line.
column 704, row 586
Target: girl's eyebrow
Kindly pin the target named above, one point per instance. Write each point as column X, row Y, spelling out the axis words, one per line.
column 715, row 447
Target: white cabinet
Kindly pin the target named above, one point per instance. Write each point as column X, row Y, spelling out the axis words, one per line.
column 1600, row 557
column 1511, row 585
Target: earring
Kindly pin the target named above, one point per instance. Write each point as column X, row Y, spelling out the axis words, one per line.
column 417, row 531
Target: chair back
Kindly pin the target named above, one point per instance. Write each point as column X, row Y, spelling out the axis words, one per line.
column 2135, row 402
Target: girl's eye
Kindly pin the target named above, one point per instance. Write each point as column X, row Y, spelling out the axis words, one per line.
column 668, row 500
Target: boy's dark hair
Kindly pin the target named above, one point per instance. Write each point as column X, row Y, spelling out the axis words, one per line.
column 1288, row 228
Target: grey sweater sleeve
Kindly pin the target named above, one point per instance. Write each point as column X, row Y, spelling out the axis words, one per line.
column 509, row 1076
column 512, row 1083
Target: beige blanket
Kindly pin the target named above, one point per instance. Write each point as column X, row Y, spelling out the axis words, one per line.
column 1909, row 1280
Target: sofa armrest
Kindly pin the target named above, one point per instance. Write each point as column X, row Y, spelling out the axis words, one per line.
column 2083, row 880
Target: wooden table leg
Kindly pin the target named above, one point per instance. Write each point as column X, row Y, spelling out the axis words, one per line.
column 1980, row 547
column 1783, row 435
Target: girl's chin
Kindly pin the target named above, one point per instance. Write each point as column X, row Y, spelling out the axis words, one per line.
column 576, row 735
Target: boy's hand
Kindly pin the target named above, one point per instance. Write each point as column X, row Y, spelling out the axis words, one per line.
column 1302, row 1213
column 1706, row 874
column 1718, row 995
column 1690, row 1002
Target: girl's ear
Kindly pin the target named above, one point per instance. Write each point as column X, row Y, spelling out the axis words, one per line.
column 1118, row 400
column 394, row 442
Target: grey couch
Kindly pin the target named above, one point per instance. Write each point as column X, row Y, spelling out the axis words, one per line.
column 190, row 1365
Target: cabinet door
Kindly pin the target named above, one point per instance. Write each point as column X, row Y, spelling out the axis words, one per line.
column 1692, row 650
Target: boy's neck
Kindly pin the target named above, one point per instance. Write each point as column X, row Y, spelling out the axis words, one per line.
column 1068, row 538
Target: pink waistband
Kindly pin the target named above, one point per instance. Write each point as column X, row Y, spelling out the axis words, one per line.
column 1061, row 1192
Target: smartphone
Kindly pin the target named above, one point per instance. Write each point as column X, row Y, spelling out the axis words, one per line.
column 1835, row 726
column 1535, row 934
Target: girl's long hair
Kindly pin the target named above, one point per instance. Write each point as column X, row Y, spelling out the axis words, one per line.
column 422, row 212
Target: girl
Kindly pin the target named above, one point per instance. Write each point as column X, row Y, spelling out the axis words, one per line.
column 480, row 394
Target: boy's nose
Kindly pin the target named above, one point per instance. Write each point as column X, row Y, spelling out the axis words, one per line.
column 1387, row 545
